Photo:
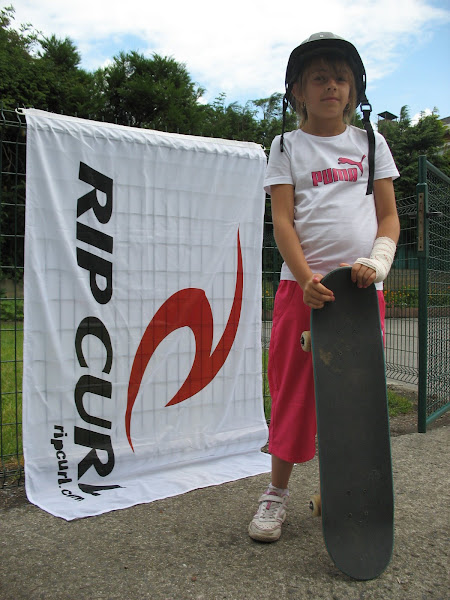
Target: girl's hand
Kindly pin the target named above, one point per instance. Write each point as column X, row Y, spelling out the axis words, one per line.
column 315, row 294
column 361, row 275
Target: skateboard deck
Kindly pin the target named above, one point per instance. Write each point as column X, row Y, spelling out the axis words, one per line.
column 353, row 428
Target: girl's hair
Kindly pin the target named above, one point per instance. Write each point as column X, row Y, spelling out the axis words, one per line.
column 337, row 63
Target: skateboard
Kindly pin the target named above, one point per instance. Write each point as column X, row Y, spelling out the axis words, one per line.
column 356, row 490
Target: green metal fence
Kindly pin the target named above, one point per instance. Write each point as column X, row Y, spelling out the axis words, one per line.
column 401, row 293
column 416, row 292
column 271, row 267
column 417, row 295
column 12, row 227
column 433, row 251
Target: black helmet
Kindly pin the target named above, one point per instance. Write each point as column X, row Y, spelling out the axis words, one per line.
column 328, row 41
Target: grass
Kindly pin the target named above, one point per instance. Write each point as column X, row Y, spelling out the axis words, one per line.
column 11, row 352
column 398, row 404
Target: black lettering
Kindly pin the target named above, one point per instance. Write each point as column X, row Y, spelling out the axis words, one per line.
column 63, row 466
column 70, row 495
column 58, row 444
column 101, row 285
column 95, row 489
column 92, row 385
column 93, row 237
column 96, row 441
column 93, row 326
column 97, row 266
column 99, row 182
column 64, row 480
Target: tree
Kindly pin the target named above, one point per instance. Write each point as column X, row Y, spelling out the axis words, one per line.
column 158, row 92
column 271, row 123
column 18, row 77
column 41, row 72
column 67, row 88
column 231, row 121
column 407, row 142
column 154, row 92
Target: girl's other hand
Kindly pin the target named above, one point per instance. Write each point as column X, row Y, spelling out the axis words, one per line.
column 361, row 275
column 315, row 294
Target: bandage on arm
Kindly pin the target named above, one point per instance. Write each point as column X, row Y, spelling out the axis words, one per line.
column 381, row 257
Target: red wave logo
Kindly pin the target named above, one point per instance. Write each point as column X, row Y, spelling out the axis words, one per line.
column 187, row 308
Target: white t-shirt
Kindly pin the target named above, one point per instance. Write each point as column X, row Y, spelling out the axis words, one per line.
column 334, row 219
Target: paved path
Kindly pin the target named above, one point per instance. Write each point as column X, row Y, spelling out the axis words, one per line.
column 195, row 546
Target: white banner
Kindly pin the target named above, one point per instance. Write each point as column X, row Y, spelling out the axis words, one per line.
column 142, row 341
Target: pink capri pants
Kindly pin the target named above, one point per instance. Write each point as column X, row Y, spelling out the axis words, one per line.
column 292, row 431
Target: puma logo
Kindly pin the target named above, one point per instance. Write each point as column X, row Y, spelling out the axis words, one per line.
column 349, row 161
column 332, row 175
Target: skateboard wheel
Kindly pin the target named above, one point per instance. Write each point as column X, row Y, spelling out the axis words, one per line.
column 315, row 504
column 305, row 341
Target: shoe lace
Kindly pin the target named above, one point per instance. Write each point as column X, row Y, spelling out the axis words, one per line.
column 270, row 506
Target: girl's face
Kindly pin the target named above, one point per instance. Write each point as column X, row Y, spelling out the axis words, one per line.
column 325, row 91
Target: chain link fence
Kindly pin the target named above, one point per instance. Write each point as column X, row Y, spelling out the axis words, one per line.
column 433, row 250
column 12, row 230
column 401, row 294
column 417, row 296
column 416, row 290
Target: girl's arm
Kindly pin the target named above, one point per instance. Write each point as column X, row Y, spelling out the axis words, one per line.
column 388, row 226
column 314, row 293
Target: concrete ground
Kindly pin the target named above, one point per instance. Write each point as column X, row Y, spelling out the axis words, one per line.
column 196, row 546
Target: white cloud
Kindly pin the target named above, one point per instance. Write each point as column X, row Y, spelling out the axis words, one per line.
column 240, row 47
column 424, row 113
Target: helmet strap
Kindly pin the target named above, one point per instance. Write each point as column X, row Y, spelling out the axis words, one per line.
column 283, row 126
column 366, row 109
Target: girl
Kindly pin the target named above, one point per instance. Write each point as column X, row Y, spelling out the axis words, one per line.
column 325, row 214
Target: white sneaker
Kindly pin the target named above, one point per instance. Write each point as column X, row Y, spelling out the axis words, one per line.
column 266, row 524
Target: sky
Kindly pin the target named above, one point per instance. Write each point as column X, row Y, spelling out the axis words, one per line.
column 241, row 47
